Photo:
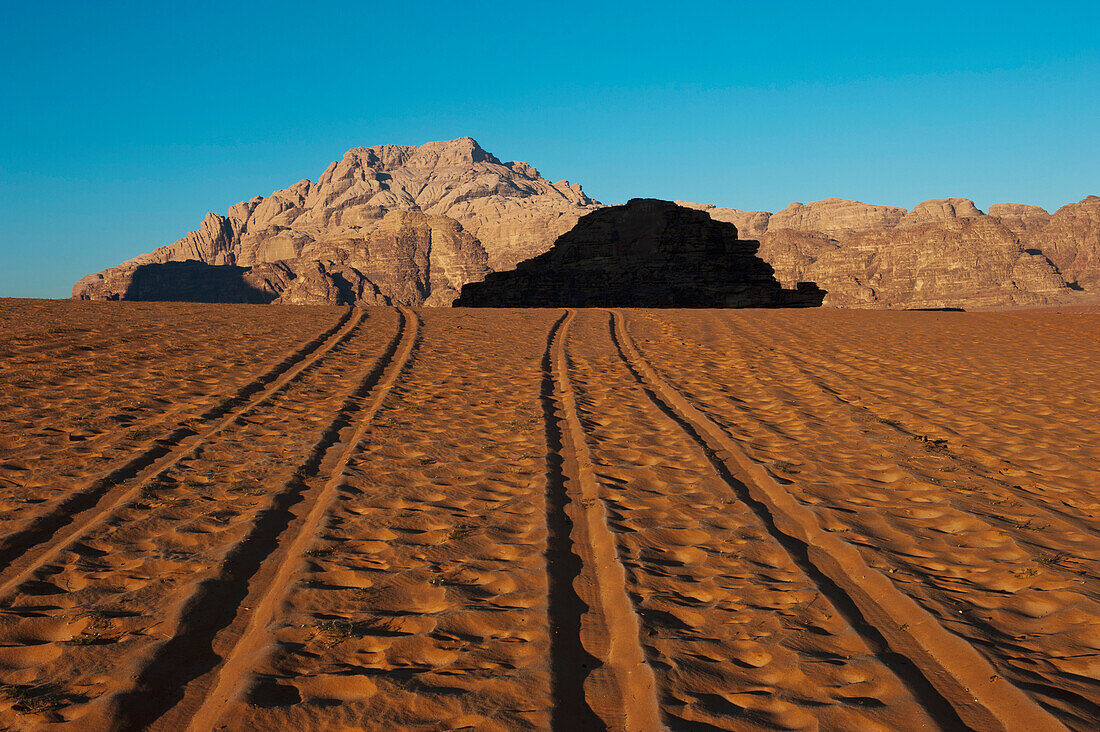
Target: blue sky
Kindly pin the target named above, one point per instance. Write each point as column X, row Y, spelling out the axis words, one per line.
column 124, row 123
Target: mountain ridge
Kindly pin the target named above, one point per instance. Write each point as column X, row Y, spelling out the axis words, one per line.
column 403, row 224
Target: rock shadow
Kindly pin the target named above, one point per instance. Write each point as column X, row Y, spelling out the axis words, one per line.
column 646, row 254
column 194, row 281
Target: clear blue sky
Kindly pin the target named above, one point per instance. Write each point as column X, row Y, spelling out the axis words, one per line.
column 124, row 123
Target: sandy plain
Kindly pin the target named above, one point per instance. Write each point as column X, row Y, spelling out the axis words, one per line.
column 253, row 517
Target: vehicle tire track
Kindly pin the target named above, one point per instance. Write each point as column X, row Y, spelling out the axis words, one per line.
column 622, row 691
column 961, row 675
column 188, row 679
column 987, row 458
column 108, row 425
column 67, row 519
column 851, row 412
column 736, row 625
column 800, row 366
column 853, row 370
column 185, row 422
column 563, row 567
column 942, row 557
column 424, row 603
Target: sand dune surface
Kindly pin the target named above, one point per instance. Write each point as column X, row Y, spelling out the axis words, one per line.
column 285, row 518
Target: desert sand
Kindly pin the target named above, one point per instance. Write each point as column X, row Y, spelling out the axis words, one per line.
column 248, row 517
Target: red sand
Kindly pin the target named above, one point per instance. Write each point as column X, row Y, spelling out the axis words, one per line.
column 250, row 517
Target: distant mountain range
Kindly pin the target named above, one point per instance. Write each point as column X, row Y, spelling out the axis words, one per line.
column 412, row 225
column 942, row 253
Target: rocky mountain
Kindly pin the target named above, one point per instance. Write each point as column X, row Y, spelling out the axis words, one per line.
column 386, row 224
column 646, row 253
column 943, row 253
column 412, row 225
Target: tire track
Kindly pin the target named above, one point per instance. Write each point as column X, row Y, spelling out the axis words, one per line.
column 102, row 411
column 735, row 623
column 563, row 567
column 861, row 378
column 63, row 522
column 1010, row 525
column 127, row 582
column 960, row 675
column 986, row 458
column 622, row 691
column 188, row 679
column 424, row 602
column 1020, row 530
column 978, row 580
column 185, row 422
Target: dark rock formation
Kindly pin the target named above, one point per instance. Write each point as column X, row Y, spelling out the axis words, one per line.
column 647, row 253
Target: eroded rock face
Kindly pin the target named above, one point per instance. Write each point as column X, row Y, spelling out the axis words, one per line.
column 943, row 253
column 750, row 224
column 647, row 253
column 407, row 258
column 940, row 209
column 393, row 224
column 835, row 216
column 412, row 225
column 964, row 262
column 1071, row 241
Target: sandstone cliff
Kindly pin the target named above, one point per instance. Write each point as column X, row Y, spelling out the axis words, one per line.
column 647, row 253
column 412, row 225
column 943, row 253
column 386, row 224
column 1071, row 240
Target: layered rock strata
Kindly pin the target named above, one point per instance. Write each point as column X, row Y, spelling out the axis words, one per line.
column 412, row 225
column 943, row 253
column 647, row 254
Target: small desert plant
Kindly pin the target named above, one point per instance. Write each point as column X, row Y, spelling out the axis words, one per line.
column 332, row 632
column 97, row 632
column 221, row 516
column 323, row 551
column 1054, row 559
column 932, row 443
column 336, row 631
column 1028, row 525
column 445, row 577
column 91, row 639
column 96, row 619
column 152, row 489
column 156, row 493
column 246, row 488
column 461, row 532
column 785, row 466
column 31, row 699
